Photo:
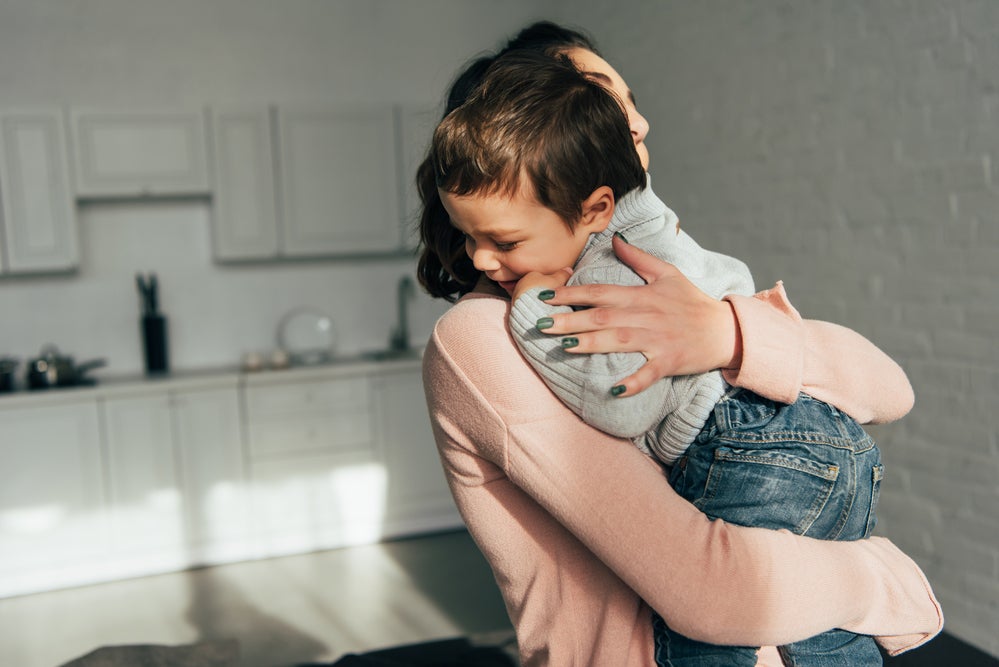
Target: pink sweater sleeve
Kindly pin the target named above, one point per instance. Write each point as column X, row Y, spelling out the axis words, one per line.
column 580, row 527
column 784, row 354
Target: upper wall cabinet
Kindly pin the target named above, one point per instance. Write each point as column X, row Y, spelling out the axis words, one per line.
column 306, row 182
column 140, row 153
column 416, row 129
column 245, row 224
column 39, row 225
column 338, row 178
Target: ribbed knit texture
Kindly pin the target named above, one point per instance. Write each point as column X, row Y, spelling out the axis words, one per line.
column 664, row 419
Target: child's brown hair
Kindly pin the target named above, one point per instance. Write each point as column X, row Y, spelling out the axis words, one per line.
column 537, row 121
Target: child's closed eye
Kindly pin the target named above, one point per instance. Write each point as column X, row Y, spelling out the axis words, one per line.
column 506, row 247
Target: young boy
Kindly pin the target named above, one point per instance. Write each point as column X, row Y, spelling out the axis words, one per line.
column 539, row 171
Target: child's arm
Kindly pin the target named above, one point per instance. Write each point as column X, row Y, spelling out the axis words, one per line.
column 584, row 382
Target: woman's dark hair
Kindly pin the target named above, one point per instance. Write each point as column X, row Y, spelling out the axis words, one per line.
column 444, row 269
column 537, row 124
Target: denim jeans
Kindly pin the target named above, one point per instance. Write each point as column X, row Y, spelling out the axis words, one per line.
column 805, row 467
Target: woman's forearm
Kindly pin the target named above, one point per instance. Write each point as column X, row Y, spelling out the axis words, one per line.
column 783, row 354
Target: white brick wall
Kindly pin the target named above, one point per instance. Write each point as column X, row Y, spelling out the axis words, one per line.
column 851, row 148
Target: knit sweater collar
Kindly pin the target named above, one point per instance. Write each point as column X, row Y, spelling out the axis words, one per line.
column 634, row 207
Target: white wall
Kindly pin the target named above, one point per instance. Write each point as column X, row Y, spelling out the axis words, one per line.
column 851, row 149
column 122, row 53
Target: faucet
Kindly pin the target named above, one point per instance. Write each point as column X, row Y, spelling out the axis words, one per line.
column 405, row 290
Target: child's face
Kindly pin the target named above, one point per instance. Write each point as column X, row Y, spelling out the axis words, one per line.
column 509, row 237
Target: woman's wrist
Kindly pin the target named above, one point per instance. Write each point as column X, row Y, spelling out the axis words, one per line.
column 730, row 337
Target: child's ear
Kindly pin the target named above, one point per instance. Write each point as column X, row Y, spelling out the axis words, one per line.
column 598, row 209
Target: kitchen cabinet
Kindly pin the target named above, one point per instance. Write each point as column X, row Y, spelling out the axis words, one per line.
column 417, row 494
column 53, row 511
column 306, row 181
column 339, row 193
column 318, row 481
column 39, row 231
column 245, row 217
column 147, row 476
column 344, row 456
column 176, row 478
column 145, row 153
column 209, row 440
column 416, row 129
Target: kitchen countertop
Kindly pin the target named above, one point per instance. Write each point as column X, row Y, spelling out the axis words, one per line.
column 131, row 384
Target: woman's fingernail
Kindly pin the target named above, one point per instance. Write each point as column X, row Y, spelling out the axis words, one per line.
column 545, row 323
column 621, row 236
column 546, row 294
column 569, row 341
column 617, row 390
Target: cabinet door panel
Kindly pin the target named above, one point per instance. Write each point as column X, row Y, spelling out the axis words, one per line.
column 339, row 193
column 318, row 502
column 245, row 224
column 416, row 129
column 145, row 488
column 53, row 521
column 39, row 223
column 418, row 497
column 216, row 497
column 140, row 153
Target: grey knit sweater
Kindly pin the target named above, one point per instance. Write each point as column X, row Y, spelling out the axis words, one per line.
column 664, row 419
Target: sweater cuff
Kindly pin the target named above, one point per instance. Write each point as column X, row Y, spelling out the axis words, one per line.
column 773, row 345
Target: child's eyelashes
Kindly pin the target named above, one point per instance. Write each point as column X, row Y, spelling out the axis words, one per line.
column 506, row 247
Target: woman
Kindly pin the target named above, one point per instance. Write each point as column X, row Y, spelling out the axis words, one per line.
column 581, row 530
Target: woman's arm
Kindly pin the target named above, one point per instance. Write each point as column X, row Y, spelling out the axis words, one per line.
column 762, row 340
column 709, row 580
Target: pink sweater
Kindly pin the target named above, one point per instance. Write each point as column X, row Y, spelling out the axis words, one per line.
column 584, row 533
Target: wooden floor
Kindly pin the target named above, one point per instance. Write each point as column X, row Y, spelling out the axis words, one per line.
column 283, row 611
column 304, row 609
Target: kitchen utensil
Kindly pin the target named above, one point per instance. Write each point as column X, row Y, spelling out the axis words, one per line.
column 154, row 343
column 307, row 335
column 148, row 293
column 8, row 373
column 53, row 369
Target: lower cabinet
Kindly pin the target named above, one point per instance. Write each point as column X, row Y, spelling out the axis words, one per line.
column 341, row 459
column 176, row 478
column 120, row 481
column 53, row 510
column 417, row 497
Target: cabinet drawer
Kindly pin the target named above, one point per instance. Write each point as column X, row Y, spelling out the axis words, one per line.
column 315, row 399
column 344, row 432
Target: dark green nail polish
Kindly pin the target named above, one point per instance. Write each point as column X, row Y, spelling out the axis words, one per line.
column 569, row 341
column 546, row 294
column 545, row 323
column 621, row 236
column 617, row 390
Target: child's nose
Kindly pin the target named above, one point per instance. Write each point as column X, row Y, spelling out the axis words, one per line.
column 485, row 260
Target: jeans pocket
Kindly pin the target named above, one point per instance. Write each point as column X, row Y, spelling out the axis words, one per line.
column 765, row 488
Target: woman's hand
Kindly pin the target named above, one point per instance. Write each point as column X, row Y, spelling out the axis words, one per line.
column 680, row 329
column 535, row 279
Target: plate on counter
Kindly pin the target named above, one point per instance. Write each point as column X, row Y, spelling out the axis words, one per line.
column 307, row 335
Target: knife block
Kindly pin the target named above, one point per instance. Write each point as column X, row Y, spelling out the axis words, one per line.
column 154, row 342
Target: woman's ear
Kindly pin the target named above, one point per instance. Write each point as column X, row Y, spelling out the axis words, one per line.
column 597, row 210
